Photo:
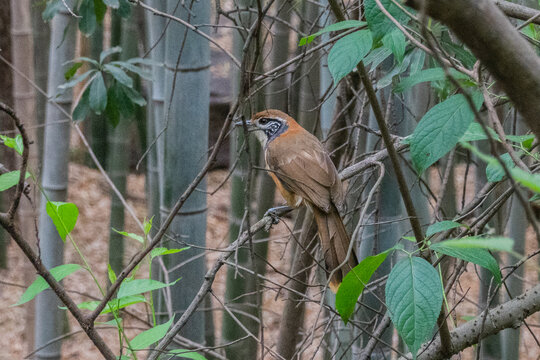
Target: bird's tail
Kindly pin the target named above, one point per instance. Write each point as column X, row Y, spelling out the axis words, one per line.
column 335, row 245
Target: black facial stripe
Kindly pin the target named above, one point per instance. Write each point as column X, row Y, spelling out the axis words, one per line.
column 274, row 129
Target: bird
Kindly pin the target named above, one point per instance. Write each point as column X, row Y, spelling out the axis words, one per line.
column 304, row 174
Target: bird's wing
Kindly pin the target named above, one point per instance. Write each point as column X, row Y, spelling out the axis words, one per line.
column 304, row 166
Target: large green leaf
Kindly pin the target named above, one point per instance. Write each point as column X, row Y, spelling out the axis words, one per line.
column 83, row 107
column 10, row 179
column 139, row 286
column 432, row 74
column 150, row 336
column 379, row 24
column 40, row 284
column 88, row 20
column 531, row 181
column 475, row 132
column 64, row 216
column 480, row 257
column 347, row 52
column 442, row 226
column 342, row 25
column 494, row 170
column 495, row 243
column 354, row 282
column 395, row 41
column 440, row 130
column 119, row 75
column 98, row 94
column 377, row 56
column 414, row 298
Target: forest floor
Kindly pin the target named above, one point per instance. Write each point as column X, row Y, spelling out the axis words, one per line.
column 90, row 193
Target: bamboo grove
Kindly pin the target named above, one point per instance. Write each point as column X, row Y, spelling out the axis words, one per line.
column 428, row 109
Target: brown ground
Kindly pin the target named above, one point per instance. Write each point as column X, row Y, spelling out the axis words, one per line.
column 90, row 193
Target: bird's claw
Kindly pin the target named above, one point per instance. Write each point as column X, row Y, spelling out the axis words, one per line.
column 272, row 212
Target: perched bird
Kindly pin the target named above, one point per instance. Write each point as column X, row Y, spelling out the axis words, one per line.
column 303, row 172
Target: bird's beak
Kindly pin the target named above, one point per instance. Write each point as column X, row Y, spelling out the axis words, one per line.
column 248, row 123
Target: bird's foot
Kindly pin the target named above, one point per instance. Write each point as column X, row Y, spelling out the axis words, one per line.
column 274, row 214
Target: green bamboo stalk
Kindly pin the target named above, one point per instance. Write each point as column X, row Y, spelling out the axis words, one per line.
column 517, row 230
column 237, row 282
column 155, row 25
column 41, row 33
column 186, row 144
column 118, row 143
column 6, row 93
column 49, row 323
column 25, row 106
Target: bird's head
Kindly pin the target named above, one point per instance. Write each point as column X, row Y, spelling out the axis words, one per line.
column 269, row 124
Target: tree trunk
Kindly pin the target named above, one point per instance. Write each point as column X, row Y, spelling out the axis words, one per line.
column 49, row 316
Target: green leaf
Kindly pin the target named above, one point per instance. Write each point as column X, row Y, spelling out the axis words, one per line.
column 15, row 143
column 379, row 23
column 106, row 53
column 83, row 106
column 409, row 238
column 414, row 298
column 442, row 226
column 150, row 336
column 433, row 74
column 347, row 52
column 377, row 56
column 88, row 21
column 159, row 251
column 112, row 3
column 496, row 243
column 475, row 132
column 342, row 25
column 134, row 96
column 134, row 69
column 398, row 69
column 139, row 238
column 354, row 282
column 100, row 11
column 188, row 354
column 417, row 61
column 440, row 130
column 98, row 94
column 40, row 284
column 525, row 140
column 139, row 286
column 72, row 70
column 113, row 305
column 395, row 41
column 480, row 257
column 64, row 216
column 119, row 75
column 147, row 225
column 10, row 179
column 77, row 79
column 53, row 6
column 494, row 170
column 531, row 181
column 124, row 10
column 111, row 274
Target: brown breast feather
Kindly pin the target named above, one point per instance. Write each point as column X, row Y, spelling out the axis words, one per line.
column 300, row 161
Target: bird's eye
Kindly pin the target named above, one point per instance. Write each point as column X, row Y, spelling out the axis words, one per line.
column 263, row 121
